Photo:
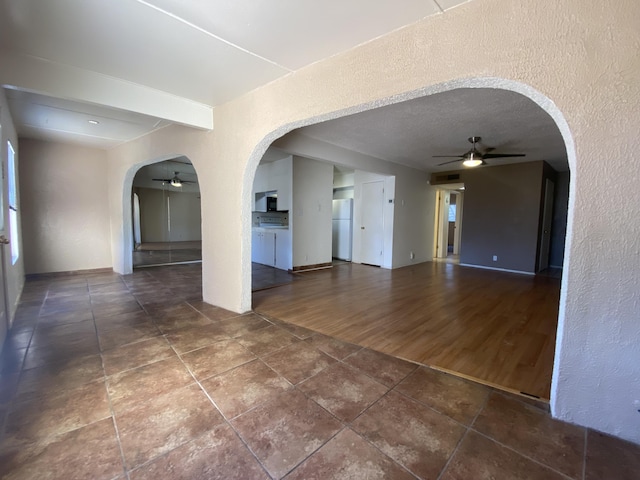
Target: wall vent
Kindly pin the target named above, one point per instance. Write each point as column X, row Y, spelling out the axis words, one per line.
column 445, row 178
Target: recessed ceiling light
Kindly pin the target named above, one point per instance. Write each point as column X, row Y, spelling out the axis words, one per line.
column 94, row 122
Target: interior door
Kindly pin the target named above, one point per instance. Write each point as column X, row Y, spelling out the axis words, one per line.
column 372, row 226
column 547, row 218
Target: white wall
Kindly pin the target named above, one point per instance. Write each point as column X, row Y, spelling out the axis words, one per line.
column 412, row 209
column 275, row 176
column 14, row 274
column 65, row 218
column 310, row 216
column 578, row 61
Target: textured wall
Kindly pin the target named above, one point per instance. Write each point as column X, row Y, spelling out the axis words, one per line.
column 577, row 59
column 65, row 218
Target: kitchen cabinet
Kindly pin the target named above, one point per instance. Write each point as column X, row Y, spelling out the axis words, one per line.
column 272, row 247
column 263, row 247
column 272, row 177
column 283, row 250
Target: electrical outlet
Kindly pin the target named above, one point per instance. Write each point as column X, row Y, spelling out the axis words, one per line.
column 412, row 255
column 495, row 258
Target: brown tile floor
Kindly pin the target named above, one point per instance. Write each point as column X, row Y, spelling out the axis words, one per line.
column 264, row 277
column 116, row 377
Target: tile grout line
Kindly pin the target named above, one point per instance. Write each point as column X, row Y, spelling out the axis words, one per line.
column 350, row 426
column 224, row 417
column 538, row 462
column 466, row 433
column 106, row 386
column 12, row 400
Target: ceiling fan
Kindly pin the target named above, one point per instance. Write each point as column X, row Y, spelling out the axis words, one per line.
column 474, row 157
column 174, row 182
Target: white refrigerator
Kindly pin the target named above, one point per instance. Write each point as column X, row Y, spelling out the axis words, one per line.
column 342, row 228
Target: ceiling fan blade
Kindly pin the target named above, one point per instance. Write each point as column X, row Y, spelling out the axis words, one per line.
column 446, row 156
column 450, row 161
column 502, row 155
column 161, row 179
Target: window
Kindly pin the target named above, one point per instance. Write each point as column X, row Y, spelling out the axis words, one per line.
column 452, row 212
column 13, row 204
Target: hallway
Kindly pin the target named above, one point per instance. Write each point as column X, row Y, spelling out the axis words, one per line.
column 134, row 377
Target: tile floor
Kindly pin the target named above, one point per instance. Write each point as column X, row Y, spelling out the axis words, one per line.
column 264, row 277
column 114, row 377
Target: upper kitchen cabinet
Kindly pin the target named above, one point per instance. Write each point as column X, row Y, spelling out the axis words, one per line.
column 277, row 177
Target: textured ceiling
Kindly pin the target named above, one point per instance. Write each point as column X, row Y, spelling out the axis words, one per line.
column 410, row 133
column 135, row 66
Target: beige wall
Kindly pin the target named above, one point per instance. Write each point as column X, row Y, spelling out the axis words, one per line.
column 576, row 59
column 184, row 215
column 65, row 218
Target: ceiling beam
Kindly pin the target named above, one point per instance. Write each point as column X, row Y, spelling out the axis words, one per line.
column 41, row 76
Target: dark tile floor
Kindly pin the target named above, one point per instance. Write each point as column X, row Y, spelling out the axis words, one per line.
column 147, row 258
column 114, row 377
column 263, row 277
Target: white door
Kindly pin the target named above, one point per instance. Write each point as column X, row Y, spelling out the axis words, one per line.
column 372, row 224
column 547, row 218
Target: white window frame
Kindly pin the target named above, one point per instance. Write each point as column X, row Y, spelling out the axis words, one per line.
column 13, row 203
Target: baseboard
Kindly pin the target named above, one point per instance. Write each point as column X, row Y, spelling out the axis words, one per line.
column 506, row 270
column 91, row 271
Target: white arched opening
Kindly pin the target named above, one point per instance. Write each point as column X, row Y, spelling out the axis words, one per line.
column 127, row 211
column 546, row 104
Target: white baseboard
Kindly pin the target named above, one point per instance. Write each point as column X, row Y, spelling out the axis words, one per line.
column 521, row 272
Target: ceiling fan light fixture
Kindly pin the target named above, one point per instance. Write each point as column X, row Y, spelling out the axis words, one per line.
column 472, row 159
column 175, row 182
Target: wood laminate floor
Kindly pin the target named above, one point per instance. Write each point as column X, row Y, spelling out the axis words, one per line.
column 493, row 327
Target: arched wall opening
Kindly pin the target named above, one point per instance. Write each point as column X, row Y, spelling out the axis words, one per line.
column 546, row 104
column 127, row 213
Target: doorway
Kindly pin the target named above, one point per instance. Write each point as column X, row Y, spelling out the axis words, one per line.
column 166, row 214
column 448, row 223
column 545, row 231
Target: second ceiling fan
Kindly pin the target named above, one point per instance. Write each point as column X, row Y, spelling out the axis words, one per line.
column 174, row 182
column 474, row 157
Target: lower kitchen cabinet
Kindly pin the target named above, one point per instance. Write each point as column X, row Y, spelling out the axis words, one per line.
column 263, row 248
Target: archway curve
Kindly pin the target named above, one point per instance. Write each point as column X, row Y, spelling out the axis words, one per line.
column 127, row 206
column 544, row 102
